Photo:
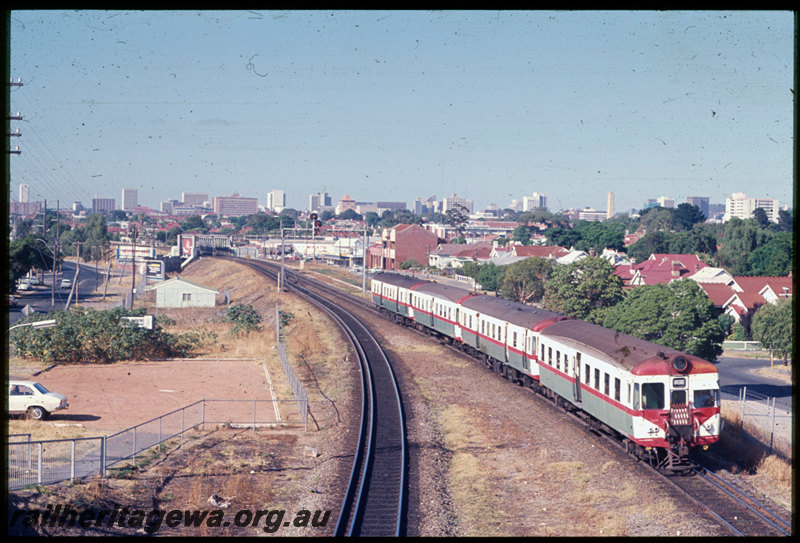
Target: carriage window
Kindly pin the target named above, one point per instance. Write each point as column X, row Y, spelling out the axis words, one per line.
column 542, row 353
column 558, row 359
column 606, row 383
column 514, row 339
column 550, row 355
column 586, row 374
column 636, row 396
column 706, row 398
column 629, row 393
column 617, row 388
column 566, row 363
column 597, row 379
column 653, row 396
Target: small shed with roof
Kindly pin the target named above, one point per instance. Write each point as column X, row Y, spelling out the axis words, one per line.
column 177, row 292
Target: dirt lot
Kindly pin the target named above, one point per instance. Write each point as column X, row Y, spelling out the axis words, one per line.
column 486, row 457
column 110, row 398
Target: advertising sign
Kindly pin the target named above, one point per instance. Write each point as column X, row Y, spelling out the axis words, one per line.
column 187, row 245
column 125, row 252
column 154, row 269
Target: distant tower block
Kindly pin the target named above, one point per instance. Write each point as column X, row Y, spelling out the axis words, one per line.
column 610, row 208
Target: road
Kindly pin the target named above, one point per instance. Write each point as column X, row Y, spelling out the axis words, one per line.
column 735, row 373
column 41, row 297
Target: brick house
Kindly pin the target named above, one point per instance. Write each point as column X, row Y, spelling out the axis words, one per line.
column 406, row 242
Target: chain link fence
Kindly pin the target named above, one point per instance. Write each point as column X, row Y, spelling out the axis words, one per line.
column 294, row 382
column 51, row 461
column 764, row 420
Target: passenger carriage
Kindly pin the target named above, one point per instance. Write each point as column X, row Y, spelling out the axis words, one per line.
column 391, row 292
column 507, row 332
column 436, row 306
column 656, row 397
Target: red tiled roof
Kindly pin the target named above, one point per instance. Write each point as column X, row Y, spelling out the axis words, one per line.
column 542, row 251
column 718, row 293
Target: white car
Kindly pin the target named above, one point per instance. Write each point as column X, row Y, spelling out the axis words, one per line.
column 34, row 280
column 33, row 399
column 24, row 285
column 66, row 283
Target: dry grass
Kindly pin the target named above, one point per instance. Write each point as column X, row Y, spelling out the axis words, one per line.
column 471, row 479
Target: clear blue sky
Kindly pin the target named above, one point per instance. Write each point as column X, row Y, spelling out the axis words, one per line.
column 394, row 105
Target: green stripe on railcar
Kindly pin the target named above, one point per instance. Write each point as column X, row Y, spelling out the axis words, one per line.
column 444, row 327
column 469, row 338
column 607, row 413
column 497, row 352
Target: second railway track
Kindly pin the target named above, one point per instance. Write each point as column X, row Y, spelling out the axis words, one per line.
column 375, row 500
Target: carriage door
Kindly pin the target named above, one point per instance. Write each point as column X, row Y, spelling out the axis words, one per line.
column 577, row 363
column 680, row 415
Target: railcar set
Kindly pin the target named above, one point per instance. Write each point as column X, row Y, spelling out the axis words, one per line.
column 661, row 403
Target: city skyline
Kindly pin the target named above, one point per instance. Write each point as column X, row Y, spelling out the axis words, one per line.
column 388, row 105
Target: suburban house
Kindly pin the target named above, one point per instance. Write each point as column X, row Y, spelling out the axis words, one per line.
column 454, row 255
column 177, row 292
column 660, row 269
column 742, row 296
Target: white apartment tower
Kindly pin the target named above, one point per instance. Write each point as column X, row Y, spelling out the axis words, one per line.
column 130, row 199
column 276, row 200
column 610, row 208
column 739, row 205
column 535, row 201
column 24, row 193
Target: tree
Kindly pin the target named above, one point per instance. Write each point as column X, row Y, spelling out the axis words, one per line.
column 678, row 315
column 523, row 281
column 654, row 242
column 772, row 327
column 489, row 276
column 686, row 216
column 774, row 257
column 24, row 254
column 761, row 217
column 740, row 238
column 785, row 221
column 563, row 236
column 350, row 214
column 586, row 289
column 657, row 218
column 522, row 234
column 244, row 317
column 597, row 236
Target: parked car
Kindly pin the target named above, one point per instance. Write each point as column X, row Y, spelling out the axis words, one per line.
column 33, row 399
column 66, row 283
column 24, row 284
column 34, row 280
column 12, row 301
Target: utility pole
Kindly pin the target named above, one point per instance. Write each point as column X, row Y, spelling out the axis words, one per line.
column 133, row 267
column 16, row 117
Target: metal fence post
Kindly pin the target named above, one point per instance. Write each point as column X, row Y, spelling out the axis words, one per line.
column 183, row 411
column 103, row 457
column 254, row 415
column 203, row 414
column 772, row 424
column 72, row 460
column 134, row 445
column 744, row 401
column 39, row 471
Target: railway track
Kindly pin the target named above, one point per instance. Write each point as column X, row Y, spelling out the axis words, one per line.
column 375, row 499
column 735, row 510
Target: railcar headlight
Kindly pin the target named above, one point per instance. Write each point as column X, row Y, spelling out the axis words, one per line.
column 680, row 363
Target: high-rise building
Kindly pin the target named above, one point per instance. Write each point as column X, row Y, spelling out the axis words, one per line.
column 276, row 200
column 610, row 208
column 24, row 193
column 318, row 201
column 702, row 204
column 234, row 206
column 535, row 201
column 665, row 201
column 739, row 205
column 103, row 205
column 456, row 202
column 130, row 199
column 345, row 204
column 190, row 199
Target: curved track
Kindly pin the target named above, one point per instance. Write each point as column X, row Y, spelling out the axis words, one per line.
column 375, row 499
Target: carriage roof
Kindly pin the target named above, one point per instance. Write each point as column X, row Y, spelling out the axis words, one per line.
column 513, row 312
column 631, row 353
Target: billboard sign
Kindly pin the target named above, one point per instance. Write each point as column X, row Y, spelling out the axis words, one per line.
column 154, row 269
column 125, row 252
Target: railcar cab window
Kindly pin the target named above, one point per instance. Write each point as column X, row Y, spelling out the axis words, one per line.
column 706, row 398
column 653, row 396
